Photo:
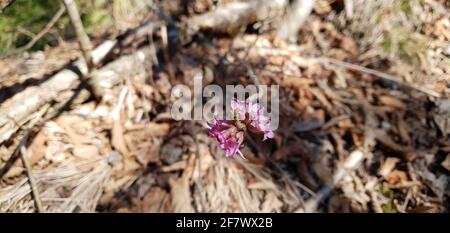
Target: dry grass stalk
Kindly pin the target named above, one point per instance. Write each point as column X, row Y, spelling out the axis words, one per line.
column 73, row 187
column 227, row 188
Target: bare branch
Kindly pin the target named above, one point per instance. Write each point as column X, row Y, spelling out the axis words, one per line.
column 31, row 179
column 44, row 31
column 83, row 39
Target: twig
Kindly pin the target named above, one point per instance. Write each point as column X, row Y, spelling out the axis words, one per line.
column 165, row 46
column 44, row 31
column 351, row 163
column 26, row 32
column 353, row 160
column 33, row 184
column 379, row 74
column 83, row 39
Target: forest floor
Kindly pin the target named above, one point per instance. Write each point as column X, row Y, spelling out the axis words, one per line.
column 364, row 123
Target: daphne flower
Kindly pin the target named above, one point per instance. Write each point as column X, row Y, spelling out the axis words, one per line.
column 252, row 115
column 246, row 116
column 228, row 135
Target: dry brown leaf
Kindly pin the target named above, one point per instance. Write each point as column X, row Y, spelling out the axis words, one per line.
column 276, row 60
column 403, row 130
column 349, row 45
column 150, row 129
column 396, row 177
column 75, row 127
column 259, row 185
column 130, row 164
column 118, row 140
column 85, row 151
column 153, row 201
column 388, row 166
column 391, row 102
column 37, row 148
column 149, row 153
column 296, row 82
column 174, row 166
column 75, row 137
column 158, row 129
column 271, row 203
column 424, row 209
column 322, row 7
column 181, row 195
column 13, row 172
column 321, row 98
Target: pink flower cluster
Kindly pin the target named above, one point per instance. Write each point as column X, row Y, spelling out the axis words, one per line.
column 246, row 116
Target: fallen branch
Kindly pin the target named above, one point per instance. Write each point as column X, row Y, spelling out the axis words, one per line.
column 233, row 17
column 31, row 99
column 101, row 81
column 380, row 75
